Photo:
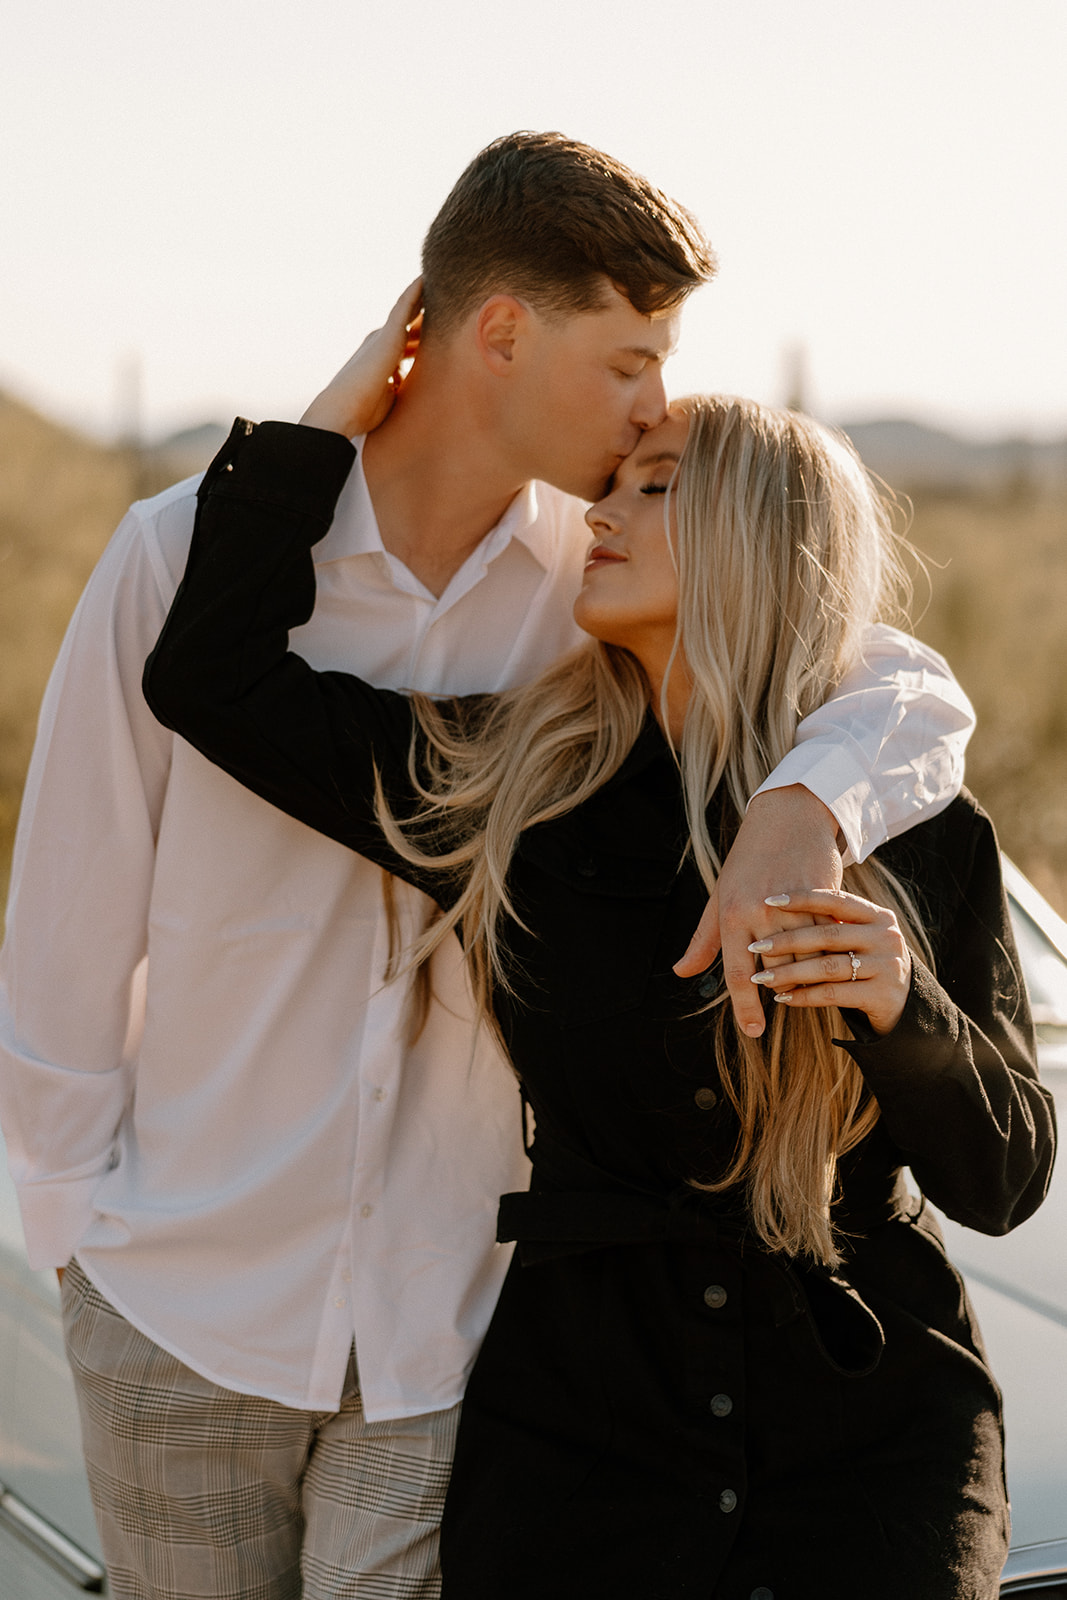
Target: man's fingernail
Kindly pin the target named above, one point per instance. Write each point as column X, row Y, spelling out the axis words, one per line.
column 753, row 1029
column 776, row 900
column 760, row 947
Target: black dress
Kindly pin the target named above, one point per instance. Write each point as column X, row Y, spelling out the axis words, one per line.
column 661, row 1408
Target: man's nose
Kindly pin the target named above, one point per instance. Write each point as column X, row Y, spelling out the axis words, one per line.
column 650, row 403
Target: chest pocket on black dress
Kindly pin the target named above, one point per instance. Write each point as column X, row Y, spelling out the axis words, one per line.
column 599, row 912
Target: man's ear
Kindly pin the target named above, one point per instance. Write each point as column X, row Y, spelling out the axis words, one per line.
column 500, row 327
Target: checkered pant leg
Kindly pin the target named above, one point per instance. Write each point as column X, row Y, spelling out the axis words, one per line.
column 204, row 1494
column 373, row 1497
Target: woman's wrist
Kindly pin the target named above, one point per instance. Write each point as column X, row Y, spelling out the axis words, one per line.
column 329, row 414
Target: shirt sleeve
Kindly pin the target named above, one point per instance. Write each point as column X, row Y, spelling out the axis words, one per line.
column 315, row 744
column 888, row 747
column 77, row 914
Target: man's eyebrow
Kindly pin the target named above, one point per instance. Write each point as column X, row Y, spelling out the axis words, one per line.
column 647, row 353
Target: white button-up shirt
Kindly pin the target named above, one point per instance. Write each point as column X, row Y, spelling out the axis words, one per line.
column 203, row 1082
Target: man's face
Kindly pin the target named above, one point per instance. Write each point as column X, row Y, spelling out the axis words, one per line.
column 589, row 386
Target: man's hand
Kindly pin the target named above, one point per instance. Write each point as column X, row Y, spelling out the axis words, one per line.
column 788, row 840
column 362, row 394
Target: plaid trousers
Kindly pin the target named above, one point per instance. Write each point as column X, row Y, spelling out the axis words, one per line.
column 201, row 1493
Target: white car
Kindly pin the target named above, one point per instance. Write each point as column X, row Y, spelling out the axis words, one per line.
column 1018, row 1285
column 48, row 1544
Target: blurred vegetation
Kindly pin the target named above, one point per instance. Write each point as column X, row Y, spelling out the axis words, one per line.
column 61, row 496
column 998, row 611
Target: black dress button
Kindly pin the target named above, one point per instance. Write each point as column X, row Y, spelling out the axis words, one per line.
column 715, row 1296
column 728, row 1501
column 587, row 869
column 706, row 1099
column 721, row 1405
column 761, row 1594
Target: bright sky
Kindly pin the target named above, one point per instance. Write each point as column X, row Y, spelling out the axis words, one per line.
column 233, row 191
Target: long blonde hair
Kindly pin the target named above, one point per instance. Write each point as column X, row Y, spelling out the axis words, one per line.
column 785, row 554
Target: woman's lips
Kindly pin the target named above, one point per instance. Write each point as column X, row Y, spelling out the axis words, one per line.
column 599, row 554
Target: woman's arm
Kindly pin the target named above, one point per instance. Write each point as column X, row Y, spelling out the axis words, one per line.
column 222, row 676
column 955, row 1075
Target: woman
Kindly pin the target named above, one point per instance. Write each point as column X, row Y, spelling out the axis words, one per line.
column 730, row 1357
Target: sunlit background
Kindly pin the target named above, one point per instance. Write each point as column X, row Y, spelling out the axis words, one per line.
column 205, row 204
column 223, row 194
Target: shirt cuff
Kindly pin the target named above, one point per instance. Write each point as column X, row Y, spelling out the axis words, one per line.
column 55, row 1217
column 285, row 464
column 919, row 1050
column 844, row 786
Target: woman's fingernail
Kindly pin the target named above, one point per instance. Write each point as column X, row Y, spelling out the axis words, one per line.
column 780, row 997
column 776, row 900
column 762, row 977
column 759, row 947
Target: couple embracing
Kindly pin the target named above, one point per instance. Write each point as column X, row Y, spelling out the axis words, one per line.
column 252, row 1079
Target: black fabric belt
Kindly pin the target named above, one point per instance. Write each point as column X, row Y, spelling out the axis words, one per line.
column 549, row 1223
column 583, row 1219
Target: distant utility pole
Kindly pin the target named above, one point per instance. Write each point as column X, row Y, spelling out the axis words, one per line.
column 129, row 401
column 795, row 371
column 129, row 420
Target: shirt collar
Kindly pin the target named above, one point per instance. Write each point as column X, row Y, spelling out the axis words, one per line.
column 355, row 532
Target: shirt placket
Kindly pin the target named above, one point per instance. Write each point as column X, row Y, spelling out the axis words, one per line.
column 355, row 1289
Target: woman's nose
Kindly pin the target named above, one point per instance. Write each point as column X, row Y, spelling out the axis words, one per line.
column 602, row 519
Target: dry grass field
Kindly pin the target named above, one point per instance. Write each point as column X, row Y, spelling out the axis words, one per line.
column 998, row 611
column 60, row 498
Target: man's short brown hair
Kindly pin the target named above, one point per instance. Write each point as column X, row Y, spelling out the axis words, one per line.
column 548, row 219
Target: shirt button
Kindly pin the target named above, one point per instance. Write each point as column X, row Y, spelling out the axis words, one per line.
column 728, row 1500
column 366, row 1211
column 706, row 1099
column 379, row 1094
column 340, row 1302
column 715, row 1296
column 587, row 869
column 346, row 1276
column 721, row 1405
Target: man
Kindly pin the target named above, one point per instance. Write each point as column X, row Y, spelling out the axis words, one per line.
column 280, row 1195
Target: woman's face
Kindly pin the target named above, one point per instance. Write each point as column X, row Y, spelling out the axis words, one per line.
column 629, row 594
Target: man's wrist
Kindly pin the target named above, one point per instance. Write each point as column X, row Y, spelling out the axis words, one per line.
column 800, row 800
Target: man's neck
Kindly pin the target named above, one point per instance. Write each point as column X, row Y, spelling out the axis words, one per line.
column 436, row 482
